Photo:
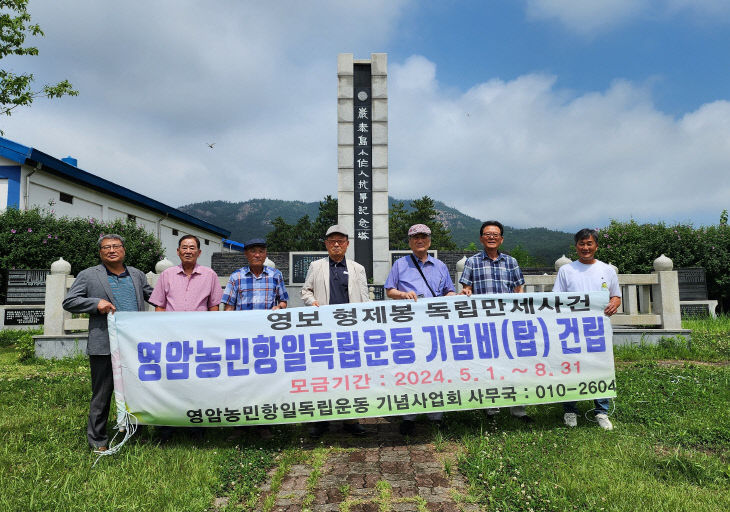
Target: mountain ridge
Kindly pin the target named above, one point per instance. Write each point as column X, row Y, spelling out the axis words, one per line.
column 252, row 219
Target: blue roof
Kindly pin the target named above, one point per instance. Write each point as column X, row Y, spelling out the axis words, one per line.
column 31, row 156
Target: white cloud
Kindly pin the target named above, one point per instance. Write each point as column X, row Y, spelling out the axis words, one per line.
column 596, row 16
column 585, row 17
column 531, row 155
column 160, row 80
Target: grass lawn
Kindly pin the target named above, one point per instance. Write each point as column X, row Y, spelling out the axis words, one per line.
column 670, row 449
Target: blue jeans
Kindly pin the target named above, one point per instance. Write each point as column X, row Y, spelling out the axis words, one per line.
column 601, row 405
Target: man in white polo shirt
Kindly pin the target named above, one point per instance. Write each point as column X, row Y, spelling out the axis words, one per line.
column 588, row 274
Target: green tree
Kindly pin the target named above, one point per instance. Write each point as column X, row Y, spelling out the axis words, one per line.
column 326, row 217
column 523, row 257
column 633, row 247
column 35, row 238
column 421, row 211
column 305, row 235
column 16, row 89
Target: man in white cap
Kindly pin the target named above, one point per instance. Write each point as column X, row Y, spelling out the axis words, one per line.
column 415, row 276
column 335, row 280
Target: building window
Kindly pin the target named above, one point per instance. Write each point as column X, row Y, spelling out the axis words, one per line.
column 175, row 232
column 207, row 242
column 131, row 218
column 66, row 198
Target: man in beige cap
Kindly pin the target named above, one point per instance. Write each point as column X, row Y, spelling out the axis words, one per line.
column 335, row 280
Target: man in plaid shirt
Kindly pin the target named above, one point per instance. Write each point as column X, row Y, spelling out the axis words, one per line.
column 491, row 271
column 255, row 286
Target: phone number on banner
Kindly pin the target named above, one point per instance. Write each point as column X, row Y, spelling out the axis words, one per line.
column 397, row 404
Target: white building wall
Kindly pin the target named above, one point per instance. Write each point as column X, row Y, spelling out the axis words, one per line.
column 44, row 188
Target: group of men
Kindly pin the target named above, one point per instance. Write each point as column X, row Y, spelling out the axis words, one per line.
column 113, row 286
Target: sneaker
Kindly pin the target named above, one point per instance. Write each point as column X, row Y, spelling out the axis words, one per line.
column 520, row 414
column 604, row 422
column 407, row 427
column 570, row 419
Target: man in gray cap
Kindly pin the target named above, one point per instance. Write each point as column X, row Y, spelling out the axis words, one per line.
column 255, row 286
column 335, row 280
column 415, row 276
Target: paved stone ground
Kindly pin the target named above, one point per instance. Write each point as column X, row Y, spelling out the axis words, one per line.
column 379, row 473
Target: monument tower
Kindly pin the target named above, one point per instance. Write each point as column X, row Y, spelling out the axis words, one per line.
column 362, row 159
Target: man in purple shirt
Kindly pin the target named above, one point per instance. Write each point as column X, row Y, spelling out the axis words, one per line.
column 405, row 281
column 186, row 287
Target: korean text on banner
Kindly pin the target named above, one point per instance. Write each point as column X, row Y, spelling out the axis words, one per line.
column 363, row 360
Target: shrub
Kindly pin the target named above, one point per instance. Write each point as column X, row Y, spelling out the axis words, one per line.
column 25, row 347
column 10, row 337
column 35, row 239
column 633, row 248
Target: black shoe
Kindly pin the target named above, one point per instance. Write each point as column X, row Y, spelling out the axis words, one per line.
column 164, row 434
column 526, row 419
column 318, row 429
column 196, row 433
column 355, row 429
column 407, row 427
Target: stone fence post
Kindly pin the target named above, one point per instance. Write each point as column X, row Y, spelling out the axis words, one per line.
column 55, row 292
column 666, row 293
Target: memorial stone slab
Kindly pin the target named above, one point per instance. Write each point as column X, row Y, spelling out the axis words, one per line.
column 299, row 264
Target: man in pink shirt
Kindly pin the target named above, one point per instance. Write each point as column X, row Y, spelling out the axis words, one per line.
column 186, row 287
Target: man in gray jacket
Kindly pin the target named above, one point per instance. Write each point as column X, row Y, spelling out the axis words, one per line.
column 109, row 287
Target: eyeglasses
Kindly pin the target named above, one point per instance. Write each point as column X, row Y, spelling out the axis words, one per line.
column 491, row 235
column 116, row 247
column 336, row 241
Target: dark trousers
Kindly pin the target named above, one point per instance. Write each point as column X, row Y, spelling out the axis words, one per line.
column 102, row 387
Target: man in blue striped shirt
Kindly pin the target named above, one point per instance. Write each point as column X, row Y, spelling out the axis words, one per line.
column 491, row 271
column 255, row 286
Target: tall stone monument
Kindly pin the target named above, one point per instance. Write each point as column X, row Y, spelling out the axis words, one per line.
column 362, row 159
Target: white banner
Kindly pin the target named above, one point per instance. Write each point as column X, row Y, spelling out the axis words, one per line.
column 362, row 360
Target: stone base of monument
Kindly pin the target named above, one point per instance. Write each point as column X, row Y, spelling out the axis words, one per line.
column 60, row 346
column 628, row 336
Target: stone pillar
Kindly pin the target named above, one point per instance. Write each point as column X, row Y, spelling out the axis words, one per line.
column 370, row 147
column 55, row 293
column 666, row 293
column 459, row 272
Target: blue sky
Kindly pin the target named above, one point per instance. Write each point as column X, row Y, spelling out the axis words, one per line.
column 554, row 113
column 681, row 57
